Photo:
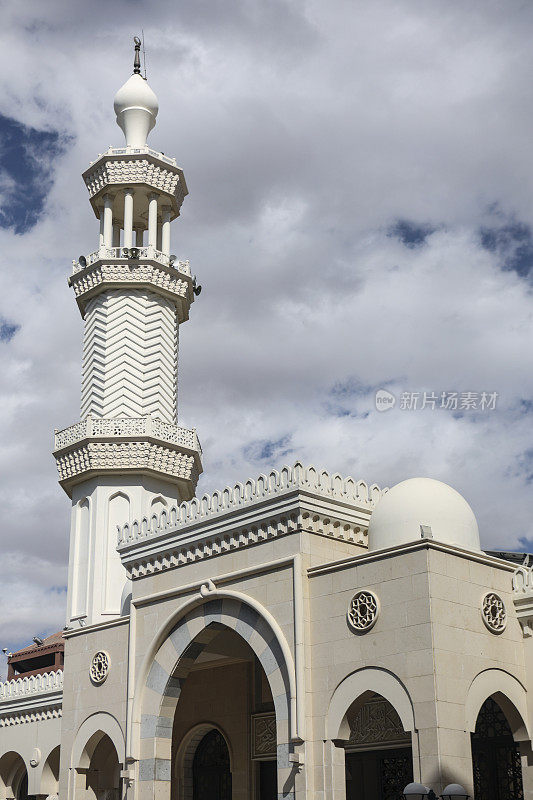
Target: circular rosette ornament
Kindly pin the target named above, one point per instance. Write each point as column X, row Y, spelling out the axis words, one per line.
column 493, row 612
column 363, row 611
column 99, row 669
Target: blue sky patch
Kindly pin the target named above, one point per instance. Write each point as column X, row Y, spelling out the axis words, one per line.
column 7, row 330
column 411, row 234
column 26, row 167
column 513, row 243
column 267, row 449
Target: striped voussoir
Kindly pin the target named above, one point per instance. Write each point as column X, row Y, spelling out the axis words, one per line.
column 172, row 664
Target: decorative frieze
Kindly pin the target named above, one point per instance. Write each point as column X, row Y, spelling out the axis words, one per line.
column 35, row 684
column 21, row 718
column 263, row 736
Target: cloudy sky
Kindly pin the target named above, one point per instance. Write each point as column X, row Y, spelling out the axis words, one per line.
column 360, row 217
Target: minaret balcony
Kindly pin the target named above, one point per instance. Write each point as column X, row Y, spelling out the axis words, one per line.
column 112, row 267
column 140, row 167
column 146, row 445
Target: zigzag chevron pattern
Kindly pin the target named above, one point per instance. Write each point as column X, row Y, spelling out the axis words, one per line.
column 130, row 356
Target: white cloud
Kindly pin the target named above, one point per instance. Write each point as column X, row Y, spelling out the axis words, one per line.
column 305, row 131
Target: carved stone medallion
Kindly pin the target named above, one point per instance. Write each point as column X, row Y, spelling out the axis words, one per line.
column 99, row 669
column 363, row 611
column 493, row 612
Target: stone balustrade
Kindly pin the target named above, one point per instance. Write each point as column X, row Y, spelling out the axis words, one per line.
column 145, row 254
column 127, row 427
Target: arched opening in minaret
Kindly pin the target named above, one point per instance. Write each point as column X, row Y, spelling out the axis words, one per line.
column 224, row 731
column 378, row 754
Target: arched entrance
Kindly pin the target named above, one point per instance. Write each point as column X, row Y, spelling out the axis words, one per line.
column 223, row 663
column 495, row 756
column 379, row 758
column 211, row 768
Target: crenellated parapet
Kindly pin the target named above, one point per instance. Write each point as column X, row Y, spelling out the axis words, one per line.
column 292, row 499
column 31, row 699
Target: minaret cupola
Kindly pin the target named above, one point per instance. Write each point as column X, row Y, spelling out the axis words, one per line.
column 136, row 105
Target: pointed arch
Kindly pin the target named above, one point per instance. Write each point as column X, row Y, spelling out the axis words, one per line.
column 510, row 695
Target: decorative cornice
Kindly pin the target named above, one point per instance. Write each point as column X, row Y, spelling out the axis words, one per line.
column 31, row 699
column 409, row 547
column 291, row 500
column 121, row 167
column 101, row 274
column 173, row 462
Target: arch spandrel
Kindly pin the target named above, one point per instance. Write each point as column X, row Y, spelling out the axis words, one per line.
column 357, row 686
column 510, row 695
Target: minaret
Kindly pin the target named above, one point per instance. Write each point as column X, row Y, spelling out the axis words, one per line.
column 127, row 458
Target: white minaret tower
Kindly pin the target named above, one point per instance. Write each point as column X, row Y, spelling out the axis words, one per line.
column 127, row 458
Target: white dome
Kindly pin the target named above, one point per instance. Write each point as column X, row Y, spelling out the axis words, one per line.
column 423, row 501
column 136, row 108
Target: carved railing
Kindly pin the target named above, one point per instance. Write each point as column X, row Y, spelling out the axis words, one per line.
column 19, row 688
column 523, row 597
column 145, row 253
column 123, row 427
column 128, row 151
column 242, row 494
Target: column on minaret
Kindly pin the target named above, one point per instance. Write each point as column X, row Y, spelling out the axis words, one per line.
column 101, row 238
column 152, row 220
column 128, row 217
column 108, row 220
column 165, row 230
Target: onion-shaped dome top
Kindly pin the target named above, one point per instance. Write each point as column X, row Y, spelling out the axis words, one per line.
column 423, row 502
column 136, row 105
column 136, row 108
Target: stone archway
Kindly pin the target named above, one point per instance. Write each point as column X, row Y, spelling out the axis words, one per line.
column 185, row 757
column 172, row 661
column 50, row 774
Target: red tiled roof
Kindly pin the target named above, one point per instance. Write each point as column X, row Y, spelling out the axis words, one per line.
column 53, row 642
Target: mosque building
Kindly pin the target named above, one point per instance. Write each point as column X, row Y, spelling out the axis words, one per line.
column 301, row 635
